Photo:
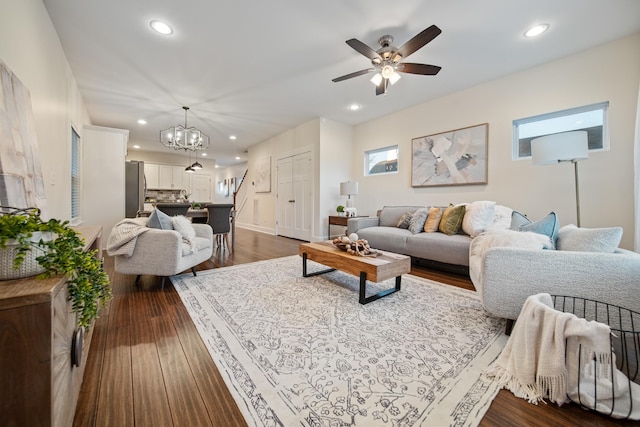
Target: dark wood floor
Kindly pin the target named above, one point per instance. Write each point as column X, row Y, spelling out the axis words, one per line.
column 147, row 365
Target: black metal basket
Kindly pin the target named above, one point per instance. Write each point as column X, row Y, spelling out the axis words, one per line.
column 625, row 346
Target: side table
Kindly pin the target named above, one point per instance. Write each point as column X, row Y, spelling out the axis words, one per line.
column 339, row 220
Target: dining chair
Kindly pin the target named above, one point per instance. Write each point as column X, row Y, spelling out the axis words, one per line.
column 220, row 222
column 174, row 209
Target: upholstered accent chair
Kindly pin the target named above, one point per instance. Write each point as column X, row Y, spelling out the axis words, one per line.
column 220, row 222
column 164, row 253
column 174, row 209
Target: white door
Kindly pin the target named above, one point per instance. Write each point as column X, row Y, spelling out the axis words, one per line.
column 302, row 196
column 285, row 200
column 294, row 196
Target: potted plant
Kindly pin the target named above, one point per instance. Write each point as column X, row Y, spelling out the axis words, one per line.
column 57, row 249
column 340, row 210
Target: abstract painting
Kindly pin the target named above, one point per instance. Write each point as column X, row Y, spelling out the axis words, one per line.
column 263, row 175
column 21, row 180
column 457, row 157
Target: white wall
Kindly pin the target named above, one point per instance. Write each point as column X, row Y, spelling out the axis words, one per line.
column 610, row 72
column 30, row 47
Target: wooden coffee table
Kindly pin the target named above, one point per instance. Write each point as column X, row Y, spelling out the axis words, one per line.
column 376, row 269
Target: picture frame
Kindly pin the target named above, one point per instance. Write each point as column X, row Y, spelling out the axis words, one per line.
column 226, row 187
column 263, row 175
column 455, row 157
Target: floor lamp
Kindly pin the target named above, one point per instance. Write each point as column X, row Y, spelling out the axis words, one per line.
column 562, row 147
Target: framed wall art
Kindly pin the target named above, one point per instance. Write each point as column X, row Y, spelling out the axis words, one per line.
column 263, row 175
column 456, row 157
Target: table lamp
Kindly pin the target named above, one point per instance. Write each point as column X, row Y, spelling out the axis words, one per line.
column 349, row 188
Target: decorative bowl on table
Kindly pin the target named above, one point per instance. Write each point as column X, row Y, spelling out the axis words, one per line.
column 354, row 246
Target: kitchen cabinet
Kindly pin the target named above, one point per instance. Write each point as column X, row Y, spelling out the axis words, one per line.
column 151, row 175
column 171, row 177
column 40, row 381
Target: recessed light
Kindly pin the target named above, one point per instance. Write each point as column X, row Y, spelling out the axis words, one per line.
column 142, row 122
column 204, row 154
column 237, row 158
column 233, row 137
column 136, row 146
column 216, row 166
column 536, row 30
column 161, row 27
column 355, row 107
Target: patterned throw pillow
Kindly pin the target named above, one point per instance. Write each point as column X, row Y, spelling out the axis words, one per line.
column 433, row 219
column 405, row 220
column 416, row 225
column 159, row 219
column 547, row 225
column 451, row 220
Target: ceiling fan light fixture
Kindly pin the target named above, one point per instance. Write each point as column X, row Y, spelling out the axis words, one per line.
column 387, row 71
column 394, row 78
column 376, row 79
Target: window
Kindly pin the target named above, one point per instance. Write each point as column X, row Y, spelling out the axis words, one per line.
column 382, row 160
column 591, row 118
column 75, row 176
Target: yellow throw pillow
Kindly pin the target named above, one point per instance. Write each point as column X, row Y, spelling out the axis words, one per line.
column 433, row 219
column 452, row 219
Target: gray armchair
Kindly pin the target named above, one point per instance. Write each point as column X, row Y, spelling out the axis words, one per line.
column 161, row 252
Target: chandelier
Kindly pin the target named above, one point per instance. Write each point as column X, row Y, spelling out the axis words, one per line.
column 181, row 137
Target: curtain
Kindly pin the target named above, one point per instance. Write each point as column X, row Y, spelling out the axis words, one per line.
column 636, row 181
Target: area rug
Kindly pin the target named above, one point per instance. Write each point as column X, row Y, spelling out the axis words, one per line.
column 300, row 351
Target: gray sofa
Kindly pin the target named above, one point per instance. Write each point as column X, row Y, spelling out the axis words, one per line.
column 433, row 249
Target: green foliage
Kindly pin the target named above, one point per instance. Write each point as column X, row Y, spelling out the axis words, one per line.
column 340, row 208
column 88, row 283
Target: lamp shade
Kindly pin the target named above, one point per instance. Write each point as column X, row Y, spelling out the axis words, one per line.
column 560, row 147
column 349, row 188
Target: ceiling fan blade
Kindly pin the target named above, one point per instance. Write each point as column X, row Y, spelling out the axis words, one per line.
column 356, row 74
column 419, row 40
column 363, row 49
column 424, row 69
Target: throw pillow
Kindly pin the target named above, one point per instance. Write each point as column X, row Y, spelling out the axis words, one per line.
column 418, row 218
column 433, row 219
column 405, row 220
column 159, row 219
column 183, row 226
column 451, row 220
column 547, row 225
column 502, row 218
column 572, row 238
column 478, row 217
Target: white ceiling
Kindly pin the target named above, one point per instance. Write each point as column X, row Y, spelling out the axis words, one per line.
column 257, row 68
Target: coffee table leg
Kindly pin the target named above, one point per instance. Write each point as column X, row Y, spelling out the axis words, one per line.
column 363, row 288
column 315, row 273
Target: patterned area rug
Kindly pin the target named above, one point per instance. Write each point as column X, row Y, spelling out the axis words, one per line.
column 302, row 351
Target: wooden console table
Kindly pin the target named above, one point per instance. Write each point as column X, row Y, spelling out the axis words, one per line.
column 39, row 383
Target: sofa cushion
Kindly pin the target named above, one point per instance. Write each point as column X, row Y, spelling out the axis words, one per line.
column 451, row 220
column 390, row 215
column 405, row 220
column 478, row 217
column 391, row 239
column 433, row 219
column 572, row 238
column 439, row 247
column 547, row 225
column 159, row 219
column 416, row 224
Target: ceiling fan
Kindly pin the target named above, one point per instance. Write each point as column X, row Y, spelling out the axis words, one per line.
column 387, row 63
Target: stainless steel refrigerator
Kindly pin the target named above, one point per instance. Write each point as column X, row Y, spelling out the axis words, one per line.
column 135, row 188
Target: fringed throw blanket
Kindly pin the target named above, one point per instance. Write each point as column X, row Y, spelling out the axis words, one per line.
column 532, row 365
column 123, row 236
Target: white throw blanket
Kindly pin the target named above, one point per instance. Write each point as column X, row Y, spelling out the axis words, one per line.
column 123, row 236
column 532, row 365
